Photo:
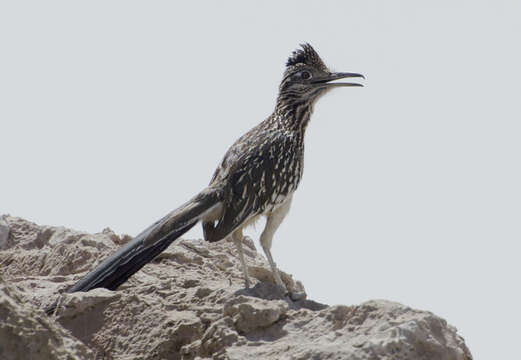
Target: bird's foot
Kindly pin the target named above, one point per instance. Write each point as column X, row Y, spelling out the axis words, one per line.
column 297, row 296
column 292, row 294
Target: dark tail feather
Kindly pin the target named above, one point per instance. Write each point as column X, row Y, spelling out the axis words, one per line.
column 126, row 261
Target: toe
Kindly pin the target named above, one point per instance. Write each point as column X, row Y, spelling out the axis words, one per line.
column 297, row 296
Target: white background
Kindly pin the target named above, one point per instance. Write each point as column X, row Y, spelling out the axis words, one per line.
column 113, row 113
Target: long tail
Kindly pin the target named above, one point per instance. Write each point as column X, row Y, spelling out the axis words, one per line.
column 126, row 261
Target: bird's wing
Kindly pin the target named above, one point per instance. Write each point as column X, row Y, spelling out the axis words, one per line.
column 251, row 179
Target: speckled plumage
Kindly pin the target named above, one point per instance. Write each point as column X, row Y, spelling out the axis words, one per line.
column 259, row 171
column 257, row 176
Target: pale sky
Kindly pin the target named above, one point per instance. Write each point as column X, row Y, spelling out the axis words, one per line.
column 113, row 113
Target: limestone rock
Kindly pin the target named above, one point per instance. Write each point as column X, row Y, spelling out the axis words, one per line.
column 190, row 303
column 26, row 333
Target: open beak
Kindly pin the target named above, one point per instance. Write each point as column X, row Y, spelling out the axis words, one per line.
column 326, row 80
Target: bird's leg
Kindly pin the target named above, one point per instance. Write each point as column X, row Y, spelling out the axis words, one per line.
column 237, row 239
column 274, row 219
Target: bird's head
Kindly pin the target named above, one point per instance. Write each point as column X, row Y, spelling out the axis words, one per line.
column 307, row 78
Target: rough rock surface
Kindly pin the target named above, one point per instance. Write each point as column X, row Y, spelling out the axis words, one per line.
column 189, row 303
column 26, row 333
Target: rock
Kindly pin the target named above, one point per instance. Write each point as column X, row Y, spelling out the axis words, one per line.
column 190, row 303
column 26, row 333
column 250, row 314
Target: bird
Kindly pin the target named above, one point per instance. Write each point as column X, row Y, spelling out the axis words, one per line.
column 257, row 177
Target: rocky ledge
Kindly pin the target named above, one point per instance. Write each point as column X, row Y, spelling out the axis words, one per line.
column 189, row 303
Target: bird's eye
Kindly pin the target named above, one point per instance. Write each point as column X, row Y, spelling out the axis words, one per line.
column 305, row 75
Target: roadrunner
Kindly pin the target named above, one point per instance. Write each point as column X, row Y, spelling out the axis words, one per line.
column 257, row 176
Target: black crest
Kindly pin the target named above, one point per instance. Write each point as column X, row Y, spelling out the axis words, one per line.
column 306, row 56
